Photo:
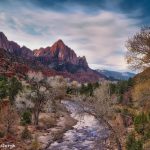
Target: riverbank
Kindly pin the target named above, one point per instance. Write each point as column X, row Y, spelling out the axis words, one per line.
column 64, row 123
column 65, row 130
column 51, row 128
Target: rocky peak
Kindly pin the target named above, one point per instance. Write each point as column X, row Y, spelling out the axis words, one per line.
column 26, row 52
column 57, row 47
column 59, row 42
column 2, row 35
column 4, row 43
column 83, row 62
column 41, row 51
column 14, row 47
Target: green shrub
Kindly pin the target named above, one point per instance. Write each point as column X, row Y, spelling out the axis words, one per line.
column 140, row 122
column 118, row 110
column 133, row 144
column 87, row 89
column 147, row 134
column 69, row 90
column 14, row 86
column 26, row 134
column 3, row 87
column 26, row 118
column 2, row 134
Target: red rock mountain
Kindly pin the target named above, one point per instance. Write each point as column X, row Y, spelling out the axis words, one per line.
column 57, row 59
column 61, row 58
column 14, row 48
column 59, row 51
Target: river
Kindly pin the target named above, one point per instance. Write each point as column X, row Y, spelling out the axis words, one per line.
column 87, row 134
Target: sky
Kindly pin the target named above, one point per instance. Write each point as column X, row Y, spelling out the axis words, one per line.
column 97, row 29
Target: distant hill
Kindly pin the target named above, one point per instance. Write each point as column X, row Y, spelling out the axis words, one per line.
column 115, row 75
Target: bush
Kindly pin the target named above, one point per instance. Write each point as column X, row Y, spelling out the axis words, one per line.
column 133, row 144
column 88, row 89
column 2, row 134
column 3, row 87
column 69, row 90
column 118, row 110
column 147, row 134
column 26, row 118
column 140, row 122
column 26, row 134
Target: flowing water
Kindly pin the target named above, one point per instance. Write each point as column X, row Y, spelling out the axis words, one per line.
column 85, row 135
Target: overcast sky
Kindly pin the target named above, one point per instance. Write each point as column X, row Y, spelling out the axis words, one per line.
column 97, row 29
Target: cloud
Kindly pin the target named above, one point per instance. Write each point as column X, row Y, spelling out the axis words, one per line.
column 100, row 36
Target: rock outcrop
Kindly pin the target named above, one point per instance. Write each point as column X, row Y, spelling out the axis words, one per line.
column 4, row 43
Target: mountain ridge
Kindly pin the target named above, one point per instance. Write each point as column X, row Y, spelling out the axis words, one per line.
column 116, row 75
column 57, row 59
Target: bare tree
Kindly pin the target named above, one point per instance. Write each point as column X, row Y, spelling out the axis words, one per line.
column 41, row 94
column 8, row 118
column 35, row 96
column 138, row 55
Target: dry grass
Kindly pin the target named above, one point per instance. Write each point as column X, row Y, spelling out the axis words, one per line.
column 35, row 145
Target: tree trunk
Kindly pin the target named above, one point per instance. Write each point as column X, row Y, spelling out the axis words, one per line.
column 36, row 118
column 54, row 107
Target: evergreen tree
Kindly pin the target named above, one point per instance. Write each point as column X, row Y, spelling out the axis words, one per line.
column 3, row 87
column 14, row 87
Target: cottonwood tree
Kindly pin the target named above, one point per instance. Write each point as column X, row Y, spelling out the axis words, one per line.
column 34, row 96
column 100, row 106
column 48, row 90
column 41, row 93
column 138, row 54
column 38, row 95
